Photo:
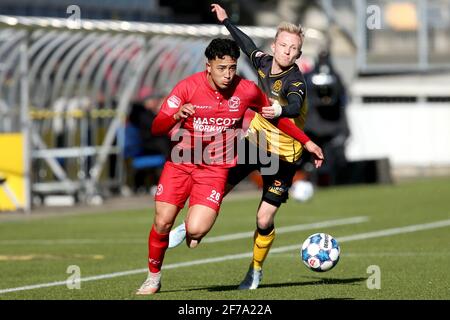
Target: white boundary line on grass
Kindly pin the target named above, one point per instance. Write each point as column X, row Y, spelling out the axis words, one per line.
column 234, row 236
column 359, row 236
column 298, row 227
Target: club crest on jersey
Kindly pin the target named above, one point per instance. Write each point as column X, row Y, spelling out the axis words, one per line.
column 277, row 85
column 174, row 102
column 234, row 103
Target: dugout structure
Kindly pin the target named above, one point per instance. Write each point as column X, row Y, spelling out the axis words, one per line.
column 66, row 87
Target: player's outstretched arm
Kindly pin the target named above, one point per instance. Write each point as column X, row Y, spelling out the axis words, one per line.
column 244, row 42
column 288, row 127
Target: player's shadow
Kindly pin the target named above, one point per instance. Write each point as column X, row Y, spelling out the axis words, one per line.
column 319, row 281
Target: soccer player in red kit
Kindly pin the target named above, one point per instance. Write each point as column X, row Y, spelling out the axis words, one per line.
column 204, row 112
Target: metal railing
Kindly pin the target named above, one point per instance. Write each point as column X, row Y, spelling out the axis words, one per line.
column 69, row 89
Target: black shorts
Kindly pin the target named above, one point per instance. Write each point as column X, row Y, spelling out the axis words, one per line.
column 276, row 183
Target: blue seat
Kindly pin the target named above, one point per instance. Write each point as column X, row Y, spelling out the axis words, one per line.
column 152, row 161
column 132, row 149
column 133, row 143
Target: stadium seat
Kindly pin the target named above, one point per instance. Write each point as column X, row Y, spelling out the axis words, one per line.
column 132, row 146
column 132, row 149
column 151, row 161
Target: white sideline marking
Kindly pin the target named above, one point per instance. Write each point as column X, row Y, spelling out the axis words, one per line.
column 234, row 236
column 298, row 227
column 380, row 233
column 359, row 236
column 45, row 242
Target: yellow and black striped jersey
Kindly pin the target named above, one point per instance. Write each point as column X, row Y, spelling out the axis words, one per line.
column 279, row 87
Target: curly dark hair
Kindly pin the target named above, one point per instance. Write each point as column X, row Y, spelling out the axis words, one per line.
column 218, row 48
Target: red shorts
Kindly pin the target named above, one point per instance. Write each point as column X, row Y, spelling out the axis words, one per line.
column 202, row 184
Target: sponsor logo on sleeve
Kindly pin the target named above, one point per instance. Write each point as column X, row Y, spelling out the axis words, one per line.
column 174, row 102
column 261, row 74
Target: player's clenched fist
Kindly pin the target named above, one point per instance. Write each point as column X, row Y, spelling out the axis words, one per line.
column 273, row 111
column 184, row 112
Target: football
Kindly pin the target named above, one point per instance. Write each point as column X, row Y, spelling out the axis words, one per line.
column 302, row 190
column 320, row 252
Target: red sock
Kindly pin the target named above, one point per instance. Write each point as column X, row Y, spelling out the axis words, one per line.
column 157, row 246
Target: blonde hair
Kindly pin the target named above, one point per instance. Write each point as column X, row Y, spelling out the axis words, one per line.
column 291, row 28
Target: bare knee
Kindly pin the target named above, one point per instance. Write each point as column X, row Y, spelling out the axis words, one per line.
column 194, row 234
column 163, row 225
column 266, row 215
column 193, row 239
column 264, row 222
column 164, row 220
column 200, row 220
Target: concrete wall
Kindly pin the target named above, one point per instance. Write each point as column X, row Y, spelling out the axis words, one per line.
column 410, row 135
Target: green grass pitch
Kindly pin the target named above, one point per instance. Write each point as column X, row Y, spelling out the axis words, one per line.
column 413, row 263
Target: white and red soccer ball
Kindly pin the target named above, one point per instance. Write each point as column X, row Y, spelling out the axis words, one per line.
column 320, row 252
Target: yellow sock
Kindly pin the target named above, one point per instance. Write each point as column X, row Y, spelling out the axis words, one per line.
column 261, row 247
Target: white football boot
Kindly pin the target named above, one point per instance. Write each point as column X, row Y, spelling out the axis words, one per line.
column 177, row 236
column 252, row 279
column 151, row 285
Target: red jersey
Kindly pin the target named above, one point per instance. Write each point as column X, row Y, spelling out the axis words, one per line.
column 209, row 135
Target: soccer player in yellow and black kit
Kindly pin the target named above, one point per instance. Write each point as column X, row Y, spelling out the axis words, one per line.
column 280, row 78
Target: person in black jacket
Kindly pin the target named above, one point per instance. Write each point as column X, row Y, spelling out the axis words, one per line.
column 327, row 121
